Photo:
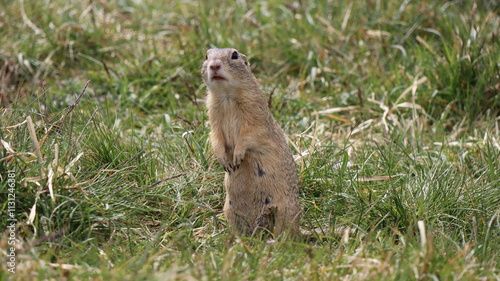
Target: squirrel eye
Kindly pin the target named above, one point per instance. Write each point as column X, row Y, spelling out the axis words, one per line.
column 234, row 56
column 206, row 57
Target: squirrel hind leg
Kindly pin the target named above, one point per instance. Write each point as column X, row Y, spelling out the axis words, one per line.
column 239, row 223
column 266, row 221
column 287, row 222
column 267, row 218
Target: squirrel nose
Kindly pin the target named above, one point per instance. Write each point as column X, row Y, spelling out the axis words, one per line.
column 215, row 66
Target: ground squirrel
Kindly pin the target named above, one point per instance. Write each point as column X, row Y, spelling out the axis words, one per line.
column 262, row 191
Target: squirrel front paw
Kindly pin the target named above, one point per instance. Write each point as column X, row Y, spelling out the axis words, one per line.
column 225, row 164
column 237, row 158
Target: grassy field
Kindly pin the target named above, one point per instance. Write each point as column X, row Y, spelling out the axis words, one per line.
column 391, row 109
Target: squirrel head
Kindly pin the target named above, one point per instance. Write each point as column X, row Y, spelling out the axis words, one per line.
column 226, row 69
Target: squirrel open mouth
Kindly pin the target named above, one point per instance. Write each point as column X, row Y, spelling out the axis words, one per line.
column 217, row 77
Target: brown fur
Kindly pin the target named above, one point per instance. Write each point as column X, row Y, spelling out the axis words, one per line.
column 261, row 178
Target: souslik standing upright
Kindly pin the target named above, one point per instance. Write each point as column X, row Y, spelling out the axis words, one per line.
column 261, row 181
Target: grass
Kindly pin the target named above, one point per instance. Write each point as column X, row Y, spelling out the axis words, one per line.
column 391, row 108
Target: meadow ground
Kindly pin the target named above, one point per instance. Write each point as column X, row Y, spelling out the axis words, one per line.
column 391, row 109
